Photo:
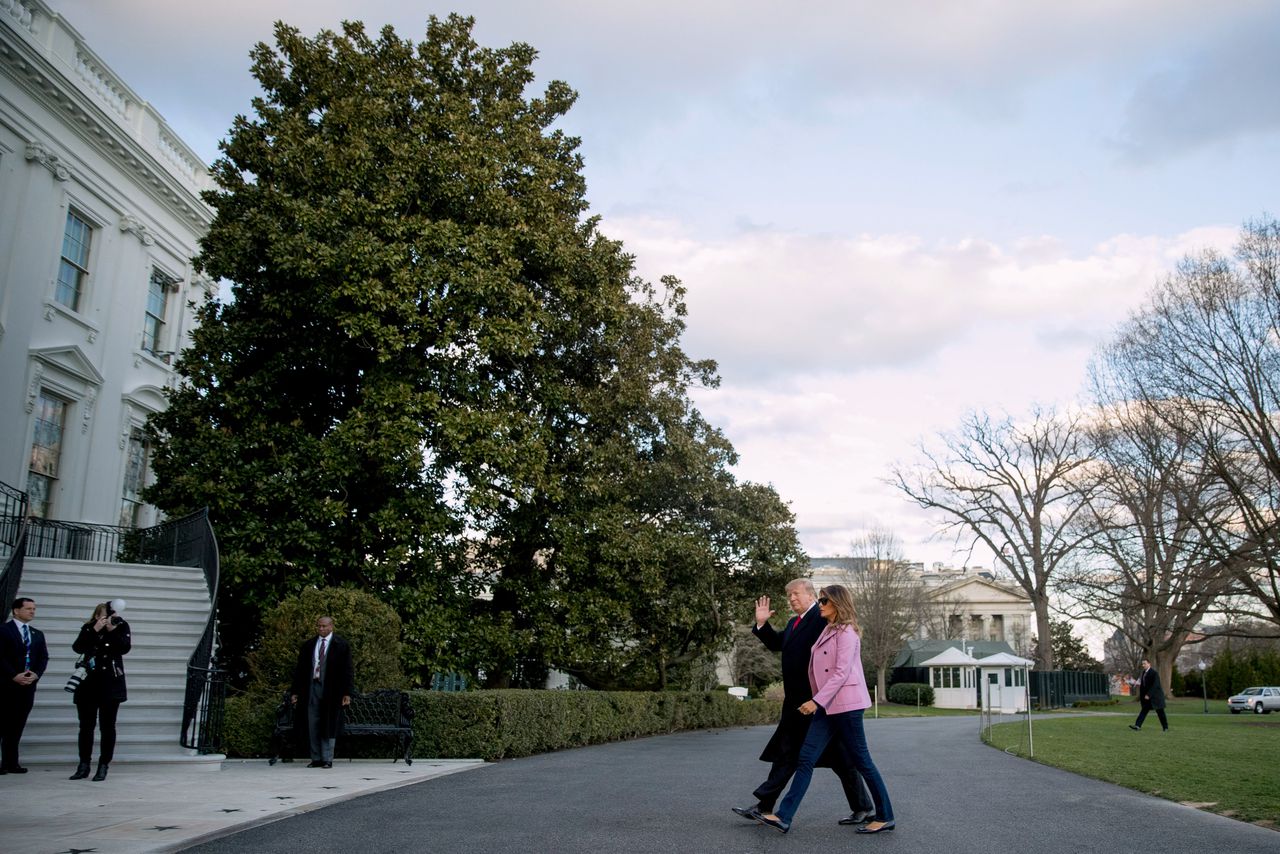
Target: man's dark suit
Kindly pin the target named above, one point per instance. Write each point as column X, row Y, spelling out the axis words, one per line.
column 783, row 749
column 1151, row 694
column 337, row 680
column 15, row 699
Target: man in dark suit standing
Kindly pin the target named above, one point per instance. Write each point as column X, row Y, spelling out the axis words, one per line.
column 23, row 659
column 783, row 750
column 324, row 680
column 1151, row 695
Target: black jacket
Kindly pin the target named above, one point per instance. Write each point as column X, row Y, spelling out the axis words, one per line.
column 795, row 643
column 13, row 655
column 1150, row 687
column 339, row 681
column 104, row 653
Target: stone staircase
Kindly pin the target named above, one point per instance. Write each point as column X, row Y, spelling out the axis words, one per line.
column 167, row 609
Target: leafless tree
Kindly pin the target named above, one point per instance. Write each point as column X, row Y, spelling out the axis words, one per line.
column 1150, row 572
column 1209, row 338
column 890, row 597
column 1008, row 485
column 751, row 661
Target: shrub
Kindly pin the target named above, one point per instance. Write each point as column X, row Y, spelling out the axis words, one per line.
column 909, row 693
column 369, row 625
column 1088, row 704
column 505, row 724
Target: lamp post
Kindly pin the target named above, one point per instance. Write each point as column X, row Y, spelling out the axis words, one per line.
column 1204, row 691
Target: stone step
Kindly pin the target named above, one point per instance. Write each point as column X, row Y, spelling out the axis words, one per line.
column 168, row 608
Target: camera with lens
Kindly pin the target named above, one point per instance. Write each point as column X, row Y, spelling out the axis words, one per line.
column 115, row 621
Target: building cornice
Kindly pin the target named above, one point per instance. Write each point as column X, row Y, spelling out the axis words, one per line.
column 47, row 58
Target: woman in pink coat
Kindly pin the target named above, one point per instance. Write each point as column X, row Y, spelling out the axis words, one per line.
column 839, row 698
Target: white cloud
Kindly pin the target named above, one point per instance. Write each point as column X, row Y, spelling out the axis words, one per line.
column 839, row 354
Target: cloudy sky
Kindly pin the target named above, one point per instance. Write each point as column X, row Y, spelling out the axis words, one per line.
column 886, row 214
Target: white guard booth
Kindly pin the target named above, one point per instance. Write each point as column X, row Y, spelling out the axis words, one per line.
column 1003, row 681
column 953, row 675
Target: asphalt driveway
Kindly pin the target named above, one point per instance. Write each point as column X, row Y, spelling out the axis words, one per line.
column 951, row 794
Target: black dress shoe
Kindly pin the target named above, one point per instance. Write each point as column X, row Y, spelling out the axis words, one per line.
column 15, row 769
column 315, row 763
column 884, row 828
column 1135, row 728
column 326, row 764
column 746, row 812
column 857, row 818
column 82, row 771
column 776, row 823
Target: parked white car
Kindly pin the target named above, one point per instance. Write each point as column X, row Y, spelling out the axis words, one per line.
column 1260, row 701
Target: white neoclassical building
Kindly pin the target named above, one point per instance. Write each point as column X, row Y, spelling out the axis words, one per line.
column 976, row 605
column 100, row 215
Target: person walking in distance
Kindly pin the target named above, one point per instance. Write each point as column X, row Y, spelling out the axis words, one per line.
column 1151, row 696
column 23, row 659
column 783, row 750
column 103, row 641
column 323, row 680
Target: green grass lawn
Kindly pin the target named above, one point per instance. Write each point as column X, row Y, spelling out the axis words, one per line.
column 1219, row 762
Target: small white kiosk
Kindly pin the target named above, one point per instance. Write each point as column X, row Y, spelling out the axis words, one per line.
column 953, row 675
column 1003, row 682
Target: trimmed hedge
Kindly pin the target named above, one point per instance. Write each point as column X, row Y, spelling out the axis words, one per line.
column 906, row 693
column 495, row 725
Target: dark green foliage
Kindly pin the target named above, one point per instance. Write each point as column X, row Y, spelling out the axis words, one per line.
column 438, row 378
column 369, row 625
column 1069, row 651
column 911, row 693
column 496, row 725
column 1232, row 671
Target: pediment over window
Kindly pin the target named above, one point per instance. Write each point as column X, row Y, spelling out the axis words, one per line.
column 69, row 360
column 148, row 397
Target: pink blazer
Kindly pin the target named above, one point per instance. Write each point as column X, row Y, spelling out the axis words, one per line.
column 835, row 671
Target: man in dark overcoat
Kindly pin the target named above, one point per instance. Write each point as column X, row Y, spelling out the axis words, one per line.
column 1151, row 695
column 323, row 682
column 783, row 750
column 24, row 655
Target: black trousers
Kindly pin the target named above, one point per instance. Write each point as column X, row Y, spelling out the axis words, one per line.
column 1142, row 716
column 780, row 772
column 102, row 713
column 15, row 706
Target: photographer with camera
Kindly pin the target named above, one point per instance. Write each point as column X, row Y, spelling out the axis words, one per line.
column 103, row 641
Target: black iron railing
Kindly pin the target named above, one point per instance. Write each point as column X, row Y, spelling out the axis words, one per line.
column 191, row 542
column 13, row 536
column 181, row 542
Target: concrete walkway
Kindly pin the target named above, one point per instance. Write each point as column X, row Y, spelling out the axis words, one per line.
column 951, row 794
column 168, row 807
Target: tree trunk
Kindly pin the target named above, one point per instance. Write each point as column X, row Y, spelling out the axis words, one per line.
column 882, row 677
column 1044, row 634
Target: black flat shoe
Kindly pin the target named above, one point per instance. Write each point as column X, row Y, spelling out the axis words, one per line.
column 857, row 818
column 82, row 771
column 776, row 823
column 884, row 828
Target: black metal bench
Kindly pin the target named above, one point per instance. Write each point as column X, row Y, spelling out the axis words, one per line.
column 385, row 713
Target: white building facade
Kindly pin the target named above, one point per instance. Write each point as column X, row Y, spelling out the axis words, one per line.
column 100, row 215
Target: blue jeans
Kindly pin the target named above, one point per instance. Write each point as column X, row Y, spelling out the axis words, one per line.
column 845, row 727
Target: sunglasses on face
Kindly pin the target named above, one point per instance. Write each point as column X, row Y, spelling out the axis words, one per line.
column 823, row 600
